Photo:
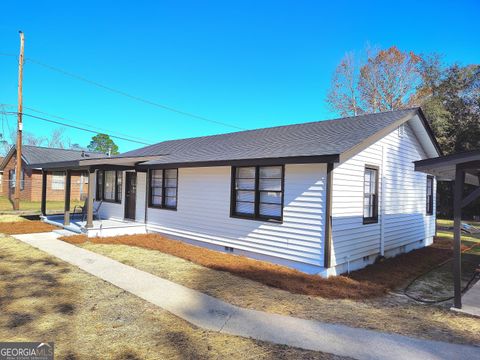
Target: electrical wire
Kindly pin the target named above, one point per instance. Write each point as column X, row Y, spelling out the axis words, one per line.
column 78, row 123
column 72, row 126
column 424, row 301
column 134, row 97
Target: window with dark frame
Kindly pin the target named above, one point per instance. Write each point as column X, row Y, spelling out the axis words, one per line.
column 109, row 186
column 370, row 195
column 429, row 199
column 257, row 192
column 163, row 189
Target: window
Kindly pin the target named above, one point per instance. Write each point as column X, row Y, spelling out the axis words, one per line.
column 429, row 195
column 257, row 192
column 12, row 179
column 370, row 195
column 58, row 180
column 109, row 186
column 99, row 187
column 163, row 188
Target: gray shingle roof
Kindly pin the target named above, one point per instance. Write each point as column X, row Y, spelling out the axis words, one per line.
column 37, row 155
column 330, row 137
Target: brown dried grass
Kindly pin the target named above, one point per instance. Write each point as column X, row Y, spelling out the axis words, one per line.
column 88, row 318
column 25, row 227
column 373, row 281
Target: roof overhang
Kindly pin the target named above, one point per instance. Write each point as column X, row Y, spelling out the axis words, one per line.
column 332, row 158
column 119, row 160
column 118, row 163
column 444, row 167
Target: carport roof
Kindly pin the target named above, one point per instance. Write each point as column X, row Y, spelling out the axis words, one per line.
column 444, row 167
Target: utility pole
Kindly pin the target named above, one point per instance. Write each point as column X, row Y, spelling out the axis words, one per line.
column 18, row 168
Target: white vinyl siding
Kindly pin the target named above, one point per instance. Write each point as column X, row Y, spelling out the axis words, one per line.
column 205, row 215
column 405, row 220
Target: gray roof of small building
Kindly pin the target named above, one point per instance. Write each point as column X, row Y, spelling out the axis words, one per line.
column 35, row 156
column 320, row 138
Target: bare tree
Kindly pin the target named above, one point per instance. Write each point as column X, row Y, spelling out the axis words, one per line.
column 343, row 96
column 387, row 80
column 57, row 139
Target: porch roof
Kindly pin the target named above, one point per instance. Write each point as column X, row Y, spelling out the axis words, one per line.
column 120, row 162
column 444, row 167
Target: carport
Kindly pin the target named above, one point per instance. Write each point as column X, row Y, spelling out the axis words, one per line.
column 462, row 168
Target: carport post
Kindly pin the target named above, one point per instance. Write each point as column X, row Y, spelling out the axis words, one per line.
column 43, row 207
column 68, row 183
column 91, row 180
column 457, row 222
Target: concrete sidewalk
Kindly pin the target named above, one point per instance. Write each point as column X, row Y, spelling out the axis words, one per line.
column 471, row 301
column 210, row 313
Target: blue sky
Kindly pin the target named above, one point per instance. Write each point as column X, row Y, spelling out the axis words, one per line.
column 247, row 63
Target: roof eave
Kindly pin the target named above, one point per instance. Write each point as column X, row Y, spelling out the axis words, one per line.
column 330, row 158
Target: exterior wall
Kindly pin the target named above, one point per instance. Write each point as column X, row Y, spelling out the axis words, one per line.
column 203, row 211
column 32, row 185
column 402, row 221
column 203, row 216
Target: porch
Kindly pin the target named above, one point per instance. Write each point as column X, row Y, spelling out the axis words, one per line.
column 88, row 221
column 99, row 227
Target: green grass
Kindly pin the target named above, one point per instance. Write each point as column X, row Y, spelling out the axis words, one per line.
column 34, row 206
column 447, row 222
column 468, row 240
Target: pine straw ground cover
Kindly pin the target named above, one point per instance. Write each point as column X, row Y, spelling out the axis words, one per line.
column 388, row 313
column 373, row 281
column 25, row 227
column 45, row 299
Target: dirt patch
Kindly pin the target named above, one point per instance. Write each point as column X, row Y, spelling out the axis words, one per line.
column 25, row 227
column 18, row 319
column 374, row 281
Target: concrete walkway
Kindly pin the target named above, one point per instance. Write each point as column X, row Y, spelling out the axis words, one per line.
column 210, row 313
column 471, row 301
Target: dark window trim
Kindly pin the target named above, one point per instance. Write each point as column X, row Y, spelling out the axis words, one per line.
column 100, row 191
column 256, row 215
column 374, row 218
column 429, row 202
column 163, row 205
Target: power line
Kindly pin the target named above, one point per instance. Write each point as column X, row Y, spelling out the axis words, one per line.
column 79, row 123
column 134, row 97
column 72, row 126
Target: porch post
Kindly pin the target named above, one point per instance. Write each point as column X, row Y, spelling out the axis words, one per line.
column 43, row 207
column 327, row 260
column 66, row 213
column 91, row 181
column 457, row 222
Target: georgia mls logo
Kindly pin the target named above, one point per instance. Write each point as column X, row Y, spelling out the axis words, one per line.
column 26, row 351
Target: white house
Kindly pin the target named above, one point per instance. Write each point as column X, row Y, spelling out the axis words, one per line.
column 323, row 197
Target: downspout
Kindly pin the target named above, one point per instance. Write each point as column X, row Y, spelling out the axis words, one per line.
column 382, row 204
column 327, row 261
column 147, row 186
